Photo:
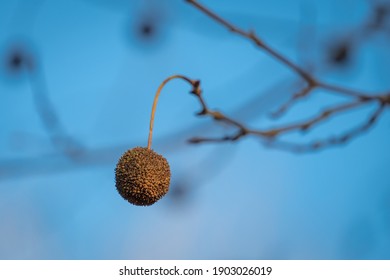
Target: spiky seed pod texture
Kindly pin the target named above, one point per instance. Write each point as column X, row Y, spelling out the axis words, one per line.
column 142, row 176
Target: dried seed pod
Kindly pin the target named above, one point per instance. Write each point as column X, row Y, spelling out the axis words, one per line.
column 142, row 176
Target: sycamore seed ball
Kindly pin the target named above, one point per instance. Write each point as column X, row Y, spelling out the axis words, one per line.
column 142, row 176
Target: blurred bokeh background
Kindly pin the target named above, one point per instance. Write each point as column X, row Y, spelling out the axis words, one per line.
column 77, row 80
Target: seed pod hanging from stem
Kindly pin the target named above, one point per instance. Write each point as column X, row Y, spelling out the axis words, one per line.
column 143, row 176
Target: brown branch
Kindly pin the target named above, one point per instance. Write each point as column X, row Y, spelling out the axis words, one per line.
column 303, row 126
column 250, row 35
column 359, row 98
column 296, row 147
column 331, row 141
column 346, row 91
column 271, row 134
column 256, row 40
column 299, row 95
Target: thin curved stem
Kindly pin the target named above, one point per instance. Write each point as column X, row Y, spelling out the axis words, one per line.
column 193, row 83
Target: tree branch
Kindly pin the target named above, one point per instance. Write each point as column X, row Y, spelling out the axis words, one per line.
column 359, row 98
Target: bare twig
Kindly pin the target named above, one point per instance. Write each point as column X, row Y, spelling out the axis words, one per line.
column 299, row 95
column 303, row 126
column 359, row 98
column 331, row 141
column 256, row 40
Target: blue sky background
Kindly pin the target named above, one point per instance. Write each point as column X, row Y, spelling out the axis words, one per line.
column 227, row 201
